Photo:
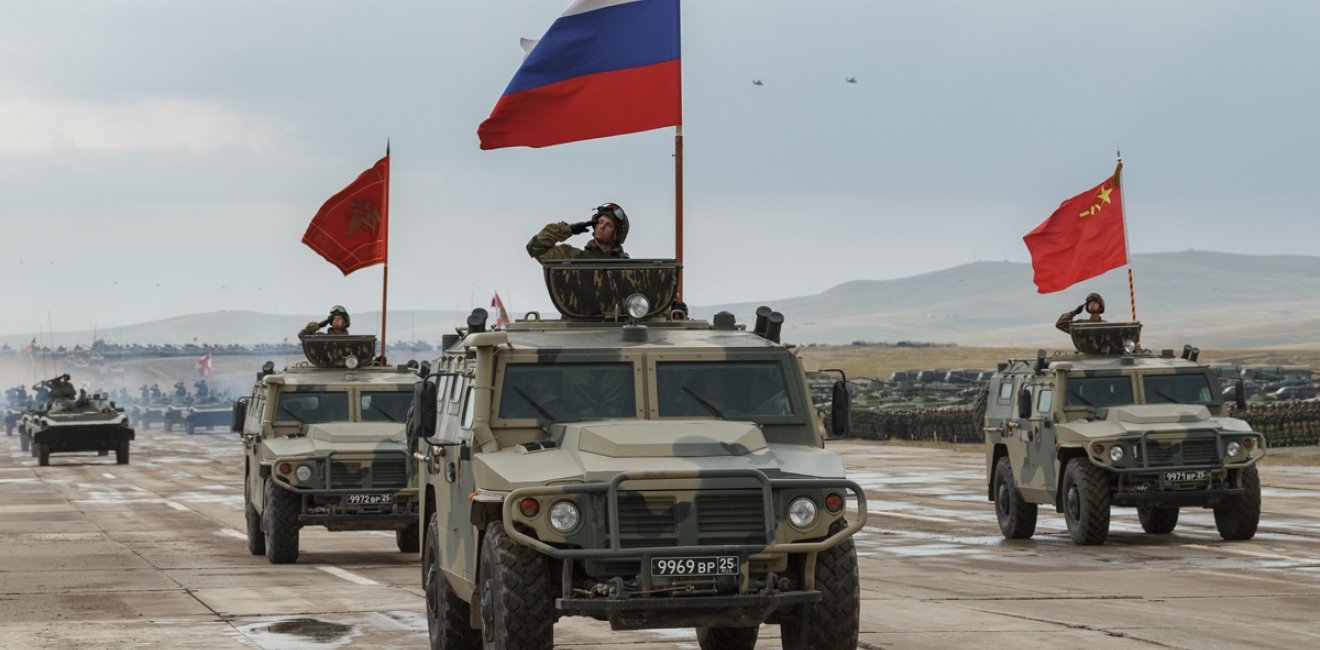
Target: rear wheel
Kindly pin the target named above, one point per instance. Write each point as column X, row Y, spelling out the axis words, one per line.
column 406, row 539
column 1238, row 517
column 1157, row 521
column 832, row 622
column 280, row 521
column 727, row 638
column 517, row 603
column 447, row 616
column 121, row 453
column 1086, row 502
column 1017, row 518
column 43, row 453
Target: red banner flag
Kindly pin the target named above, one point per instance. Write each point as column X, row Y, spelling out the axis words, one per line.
column 351, row 230
column 1082, row 239
column 501, row 314
column 204, row 364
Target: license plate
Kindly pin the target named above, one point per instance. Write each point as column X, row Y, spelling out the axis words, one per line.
column 1187, row 475
column 721, row 565
column 369, row 499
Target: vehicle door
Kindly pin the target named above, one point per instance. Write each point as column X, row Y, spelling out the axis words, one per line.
column 1035, row 435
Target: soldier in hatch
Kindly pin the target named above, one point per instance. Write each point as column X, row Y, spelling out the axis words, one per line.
column 62, row 388
column 1094, row 305
column 609, row 227
column 338, row 322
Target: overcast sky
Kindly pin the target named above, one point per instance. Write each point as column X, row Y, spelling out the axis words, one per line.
column 163, row 157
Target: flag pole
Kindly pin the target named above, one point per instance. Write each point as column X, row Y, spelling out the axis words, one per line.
column 678, row 204
column 385, row 276
column 1127, row 248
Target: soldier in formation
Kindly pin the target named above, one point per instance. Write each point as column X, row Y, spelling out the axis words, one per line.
column 609, row 226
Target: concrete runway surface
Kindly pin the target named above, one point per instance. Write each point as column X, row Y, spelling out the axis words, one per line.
column 94, row 554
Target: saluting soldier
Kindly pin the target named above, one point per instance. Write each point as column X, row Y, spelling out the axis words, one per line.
column 609, row 226
column 1094, row 306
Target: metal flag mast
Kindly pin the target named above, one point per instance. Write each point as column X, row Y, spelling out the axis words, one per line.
column 385, row 276
column 1127, row 248
column 678, row 204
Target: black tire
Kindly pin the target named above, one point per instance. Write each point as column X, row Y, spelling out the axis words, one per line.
column 406, row 539
column 102, row 452
column 24, row 441
column 280, row 523
column 1158, row 521
column 517, row 600
column 1238, row 517
column 169, row 427
column 1017, row 518
column 727, row 638
column 831, row 623
column 448, row 618
column 121, row 453
column 189, row 428
column 43, row 453
column 256, row 540
column 1086, row 502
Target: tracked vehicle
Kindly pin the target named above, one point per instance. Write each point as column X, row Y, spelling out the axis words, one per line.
column 1115, row 425
column 324, row 446
column 629, row 464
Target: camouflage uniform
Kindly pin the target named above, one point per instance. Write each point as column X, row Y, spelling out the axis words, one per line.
column 545, row 245
column 1066, row 318
column 314, row 327
column 61, row 388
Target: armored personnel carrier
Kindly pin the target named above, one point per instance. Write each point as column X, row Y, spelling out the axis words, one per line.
column 324, row 446
column 630, row 465
column 81, row 424
column 1115, row 425
column 207, row 414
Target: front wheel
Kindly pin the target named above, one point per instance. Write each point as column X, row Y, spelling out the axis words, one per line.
column 406, row 539
column 1017, row 518
column 280, row 521
column 517, row 603
column 1086, row 502
column 121, row 453
column 43, row 453
column 831, row 623
column 1238, row 516
column 256, row 540
column 727, row 638
column 447, row 616
column 1157, row 521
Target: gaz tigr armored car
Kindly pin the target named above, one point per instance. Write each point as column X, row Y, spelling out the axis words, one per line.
column 324, row 445
column 1115, row 425
column 84, row 423
column 631, row 465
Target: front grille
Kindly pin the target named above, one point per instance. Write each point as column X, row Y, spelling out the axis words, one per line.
column 387, row 473
column 1188, row 452
column 647, row 520
column 734, row 517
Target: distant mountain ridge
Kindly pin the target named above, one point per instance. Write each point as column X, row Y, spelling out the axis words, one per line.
column 1207, row 299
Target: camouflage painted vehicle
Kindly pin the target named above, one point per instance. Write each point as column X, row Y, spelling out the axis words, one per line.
column 632, row 466
column 83, row 424
column 1115, row 425
column 210, row 414
column 324, row 446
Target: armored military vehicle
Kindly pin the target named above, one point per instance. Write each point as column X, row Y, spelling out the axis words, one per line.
column 145, row 415
column 1116, row 425
column 324, row 443
column 207, row 414
column 80, row 424
column 631, row 465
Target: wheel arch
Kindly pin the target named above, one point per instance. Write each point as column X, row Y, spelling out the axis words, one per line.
column 1062, row 457
column 1000, row 451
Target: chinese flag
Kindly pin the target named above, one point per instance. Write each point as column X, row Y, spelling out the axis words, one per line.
column 351, row 230
column 1082, row 239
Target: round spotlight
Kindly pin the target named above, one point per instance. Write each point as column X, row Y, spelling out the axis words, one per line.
column 1233, row 448
column 1097, row 449
column 350, row 362
column 833, row 502
column 285, row 468
column 802, row 512
column 564, row 516
column 1116, row 453
column 637, row 305
column 529, row 507
column 1129, row 346
column 304, row 473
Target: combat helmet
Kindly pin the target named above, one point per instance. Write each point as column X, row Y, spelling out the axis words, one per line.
column 1097, row 298
column 620, row 217
column 348, row 321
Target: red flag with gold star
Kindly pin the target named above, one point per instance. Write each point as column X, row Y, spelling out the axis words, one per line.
column 1082, row 239
column 351, row 229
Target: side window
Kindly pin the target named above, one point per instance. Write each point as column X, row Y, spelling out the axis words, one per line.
column 1005, row 389
column 468, row 406
column 1045, row 401
column 455, row 391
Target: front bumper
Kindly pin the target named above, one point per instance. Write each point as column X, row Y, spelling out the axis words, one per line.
column 700, row 611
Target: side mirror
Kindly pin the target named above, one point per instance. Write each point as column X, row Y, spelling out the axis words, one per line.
column 1024, row 403
column 239, row 415
column 1240, row 395
column 422, row 415
column 840, row 409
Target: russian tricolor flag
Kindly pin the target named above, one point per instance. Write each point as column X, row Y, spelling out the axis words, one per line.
column 605, row 67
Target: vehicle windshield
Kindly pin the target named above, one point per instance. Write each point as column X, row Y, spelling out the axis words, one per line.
column 1099, row 391
column 722, row 389
column 384, row 406
column 1177, row 389
column 568, row 392
column 312, row 407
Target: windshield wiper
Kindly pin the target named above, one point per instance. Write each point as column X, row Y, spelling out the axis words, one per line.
column 545, row 413
column 383, row 412
column 1164, row 395
column 286, row 411
column 1073, row 393
column 704, row 404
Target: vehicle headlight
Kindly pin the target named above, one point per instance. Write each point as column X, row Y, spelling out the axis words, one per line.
column 350, row 362
column 637, row 305
column 1129, row 346
column 1116, row 453
column 564, row 516
column 802, row 512
column 1233, row 448
column 304, row 473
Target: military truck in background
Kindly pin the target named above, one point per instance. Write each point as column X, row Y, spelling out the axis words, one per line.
column 1116, row 425
column 324, row 446
column 630, row 465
